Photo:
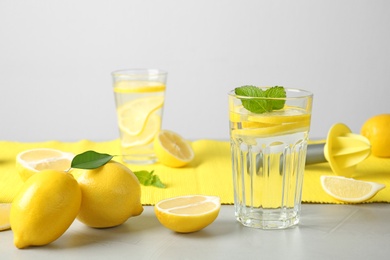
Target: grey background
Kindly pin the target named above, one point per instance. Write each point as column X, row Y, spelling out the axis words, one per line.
column 56, row 58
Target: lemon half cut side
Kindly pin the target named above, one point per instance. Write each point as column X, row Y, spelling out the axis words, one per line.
column 185, row 214
column 350, row 190
column 35, row 160
column 172, row 150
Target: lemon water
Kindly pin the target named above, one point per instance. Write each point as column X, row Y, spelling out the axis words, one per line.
column 139, row 110
column 268, row 158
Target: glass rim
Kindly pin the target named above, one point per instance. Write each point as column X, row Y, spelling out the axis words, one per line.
column 138, row 71
column 303, row 94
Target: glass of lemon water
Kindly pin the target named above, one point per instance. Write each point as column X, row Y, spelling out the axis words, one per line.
column 268, row 151
column 139, row 98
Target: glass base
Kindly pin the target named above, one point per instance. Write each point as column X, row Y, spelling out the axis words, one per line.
column 269, row 218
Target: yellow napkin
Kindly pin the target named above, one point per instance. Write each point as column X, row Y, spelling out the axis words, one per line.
column 209, row 173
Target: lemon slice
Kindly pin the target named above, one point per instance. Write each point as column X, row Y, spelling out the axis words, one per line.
column 350, row 190
column 152, row 126
column 138, row 86
column 185, row 214
column 133, row 115
column 172, row 150
column 280, row 117
column 5, row 209
column 32, row 161
column 272, row 129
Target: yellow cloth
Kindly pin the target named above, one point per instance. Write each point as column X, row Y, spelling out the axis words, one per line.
column 209, row 173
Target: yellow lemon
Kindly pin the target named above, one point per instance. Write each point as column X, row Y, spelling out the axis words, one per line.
column 111, row 195
column 4, row 216
column 172, row 150
column 377, row 130
column 348, row 189
column 185, row 214
column 44, row 208
column 32, row 161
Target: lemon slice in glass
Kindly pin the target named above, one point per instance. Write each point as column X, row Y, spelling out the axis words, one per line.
column 133, row 115
column 185, row 214
column 146, row 136
column 350, row 190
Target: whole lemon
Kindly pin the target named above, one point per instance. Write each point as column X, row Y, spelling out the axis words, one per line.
column 111, row 195
column 377, row 130
column 44, row 208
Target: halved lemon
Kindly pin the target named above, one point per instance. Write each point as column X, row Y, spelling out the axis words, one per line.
column 5, row 209
column 133, row 115
column 350, row 190
column 185, row 214
column 172, row 150
column 35, row 160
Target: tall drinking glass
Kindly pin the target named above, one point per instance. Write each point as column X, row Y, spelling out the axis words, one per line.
column 268, row 153
column 139, row 98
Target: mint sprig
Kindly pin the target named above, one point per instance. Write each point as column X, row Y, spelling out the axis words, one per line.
column 149, row 179
column 92, row 160
column 259, row 105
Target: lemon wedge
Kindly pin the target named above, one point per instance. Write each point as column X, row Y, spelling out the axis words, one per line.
column 172, row 150
column 32, row 161
column 5, row 209
column 185, row 214
column 350, row 190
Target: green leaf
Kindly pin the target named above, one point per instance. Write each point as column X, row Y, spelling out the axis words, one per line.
column 276, row 92
column 253, row 105
column 149, row 179
column 156, row 182
column 258, row 105
column 90, row 160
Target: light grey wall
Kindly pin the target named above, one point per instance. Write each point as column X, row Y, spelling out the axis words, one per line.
column 56, row 58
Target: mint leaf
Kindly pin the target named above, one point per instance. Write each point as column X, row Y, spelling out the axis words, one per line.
column 257, row 104
column 149, row 179
column 276, row 92
column 90, row 160
column 249, row 91
column 156, row 182
column 253, row 105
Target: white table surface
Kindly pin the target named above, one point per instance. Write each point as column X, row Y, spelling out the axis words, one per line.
column 325, row 232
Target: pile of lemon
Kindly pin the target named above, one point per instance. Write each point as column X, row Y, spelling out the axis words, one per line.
column 51, row 198
column 54, row 195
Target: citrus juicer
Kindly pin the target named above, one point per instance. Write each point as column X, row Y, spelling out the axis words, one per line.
column 342, row 149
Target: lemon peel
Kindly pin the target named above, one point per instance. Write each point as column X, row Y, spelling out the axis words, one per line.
column 186, row 214
column 44, row 208
column 111, row 195
column 377, row 130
